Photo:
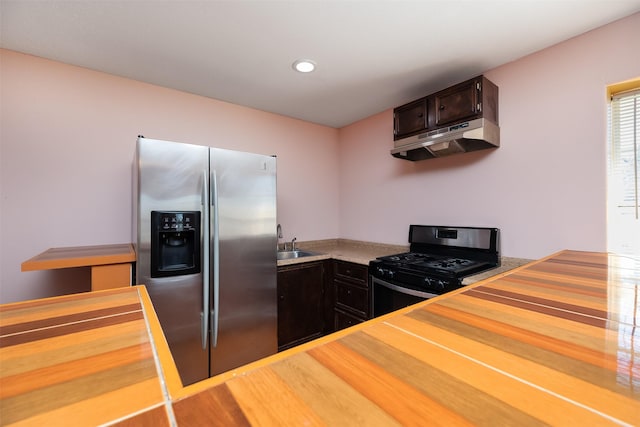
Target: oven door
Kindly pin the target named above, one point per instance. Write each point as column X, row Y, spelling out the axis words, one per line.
column 388, row 297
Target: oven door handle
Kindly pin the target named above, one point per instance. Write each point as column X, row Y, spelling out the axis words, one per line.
column 401, row 289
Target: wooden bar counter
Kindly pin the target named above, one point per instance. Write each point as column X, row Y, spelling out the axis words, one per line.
column 555, row 342
column 111, row 265
column 84, row 359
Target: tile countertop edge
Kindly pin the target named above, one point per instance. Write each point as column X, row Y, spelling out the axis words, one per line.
column 167, row 369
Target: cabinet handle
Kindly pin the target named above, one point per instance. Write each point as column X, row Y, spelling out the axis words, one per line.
column 441, row 107
column 420, row 115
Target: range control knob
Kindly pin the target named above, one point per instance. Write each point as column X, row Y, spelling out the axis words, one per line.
column 427, row 282
column 390, row 274
column 440, row 285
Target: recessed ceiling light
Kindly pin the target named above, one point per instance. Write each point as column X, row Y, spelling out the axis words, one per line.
column 304, row 65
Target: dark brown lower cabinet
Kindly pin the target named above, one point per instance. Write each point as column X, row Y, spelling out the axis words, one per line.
column 352, row 297
column 320, row 297
column 344, row 320
column 300, row 303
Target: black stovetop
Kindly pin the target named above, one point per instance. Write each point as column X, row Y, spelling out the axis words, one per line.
column 440, row 257
column 429, row 263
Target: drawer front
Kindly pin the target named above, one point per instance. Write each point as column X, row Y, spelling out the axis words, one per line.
column 352, row 297
column 344, row 320
column 351, row 272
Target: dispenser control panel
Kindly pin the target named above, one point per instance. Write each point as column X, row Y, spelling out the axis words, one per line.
column 177, row 221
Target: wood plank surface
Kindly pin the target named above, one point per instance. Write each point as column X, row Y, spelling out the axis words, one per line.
column 84, row 359
column 81, row 256
column 553, row 343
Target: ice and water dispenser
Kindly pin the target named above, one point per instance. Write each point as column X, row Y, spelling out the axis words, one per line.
column 175, row 243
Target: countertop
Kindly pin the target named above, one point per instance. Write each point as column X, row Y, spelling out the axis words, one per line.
column 81, row 256
column 111, row 265
column 551, row 342
column 84, row 359
column 345, row 250
column 362, row 252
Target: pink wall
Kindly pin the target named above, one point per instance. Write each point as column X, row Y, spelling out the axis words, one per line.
column 68, row 138
column 545, row 187
column 68, row 135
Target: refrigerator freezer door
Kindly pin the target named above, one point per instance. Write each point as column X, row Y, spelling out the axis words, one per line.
column 170, row 178
column 245, row 298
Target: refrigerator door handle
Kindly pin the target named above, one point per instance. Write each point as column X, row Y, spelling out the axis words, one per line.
column 204, row 316
column 216, row 261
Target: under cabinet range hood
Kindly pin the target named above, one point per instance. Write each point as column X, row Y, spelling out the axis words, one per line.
column 458, row 119
column 462, row 137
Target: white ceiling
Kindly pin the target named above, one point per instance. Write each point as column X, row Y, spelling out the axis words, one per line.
column 371, row 55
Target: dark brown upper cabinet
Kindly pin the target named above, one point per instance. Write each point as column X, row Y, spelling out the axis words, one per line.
column 410, row 118
column 471, row 99
column 457, row 103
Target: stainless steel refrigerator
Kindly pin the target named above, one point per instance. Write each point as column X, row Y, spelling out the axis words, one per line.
column 205, row 233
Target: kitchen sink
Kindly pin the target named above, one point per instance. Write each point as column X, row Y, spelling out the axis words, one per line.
column 295, row 254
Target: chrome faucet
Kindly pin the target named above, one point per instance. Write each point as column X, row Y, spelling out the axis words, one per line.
column 293, row 244
column 279, row 236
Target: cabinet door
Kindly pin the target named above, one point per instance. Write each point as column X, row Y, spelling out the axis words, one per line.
column 410, row 118
column 300, row 303
column 457, row 103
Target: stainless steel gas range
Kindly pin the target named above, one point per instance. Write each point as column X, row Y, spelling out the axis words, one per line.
column 439, row 258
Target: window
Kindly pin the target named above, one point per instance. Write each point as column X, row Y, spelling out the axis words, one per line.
column 623, row 222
